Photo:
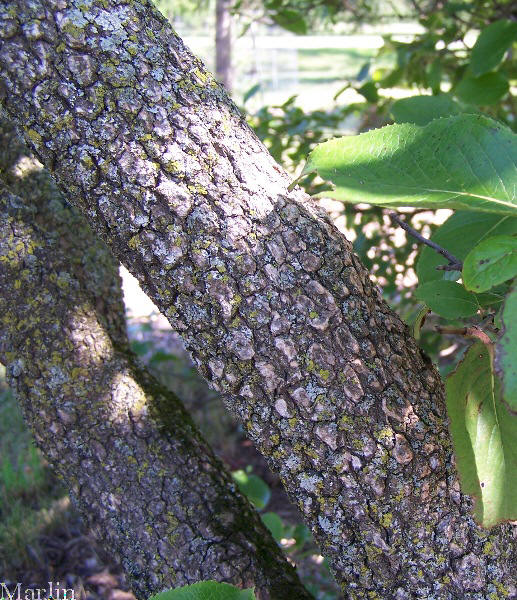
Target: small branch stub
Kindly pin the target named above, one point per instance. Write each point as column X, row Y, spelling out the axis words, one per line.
column 454, row 263
column 469, row 332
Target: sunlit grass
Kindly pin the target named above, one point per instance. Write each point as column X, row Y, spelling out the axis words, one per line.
column 28, row 492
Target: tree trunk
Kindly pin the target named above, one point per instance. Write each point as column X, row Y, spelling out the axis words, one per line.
column 135, row 464
column 277, row 311
column 223, row 43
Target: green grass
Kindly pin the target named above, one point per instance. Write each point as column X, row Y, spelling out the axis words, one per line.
column 320, row 73
column 28, row 490
column 342, row 62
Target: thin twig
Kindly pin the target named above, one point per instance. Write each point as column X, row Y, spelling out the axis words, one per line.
column 470, row 332
column 454, row 263
column 450, row 267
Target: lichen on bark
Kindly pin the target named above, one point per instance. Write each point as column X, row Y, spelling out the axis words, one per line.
column 145, row 480
column 277, row 311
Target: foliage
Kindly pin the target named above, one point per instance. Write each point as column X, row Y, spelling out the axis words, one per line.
column 421, row 110
column 463, row 231
column 190, row 12
column 484, row 434
column 505, row 351
column 259, row 494
column 253, row 487
column 439, row 61
column 490, row 263
column 447, row 299
column 491, row 46
column 464, row 161
column 300, row 16
column 206, row 590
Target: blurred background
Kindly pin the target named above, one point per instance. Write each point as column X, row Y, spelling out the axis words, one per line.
column 302, row 71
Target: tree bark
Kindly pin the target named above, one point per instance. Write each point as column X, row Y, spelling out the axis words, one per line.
column 223, row 43
column 277, row 311
column 136, row 466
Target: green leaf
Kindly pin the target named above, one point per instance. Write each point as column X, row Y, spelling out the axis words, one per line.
column 302, row 535
column 160, row 356
column 392, row 78
column 482, row 91
column 419, row 321
column 206, row 590
column 274, row 523
column 491, row 45
column 421, row 110
column 251, row 92
column 489, row 263
column 447, row 299
column 459, row 234
column 369, row 91
column 252, row 486
column 363, row 72
column 463, row 162
column 492, row 298
column 506, row 351
column 291, row 20
column 434, row 76
column 141, row 348
column 484, row 436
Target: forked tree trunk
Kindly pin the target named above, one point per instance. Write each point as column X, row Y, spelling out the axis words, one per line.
column 277, row 311
column 223, row 43
column 139, row 470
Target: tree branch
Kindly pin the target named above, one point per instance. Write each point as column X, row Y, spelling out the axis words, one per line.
column 454, row 263
column 278, row 313
column 145, row 480
column 469, row 332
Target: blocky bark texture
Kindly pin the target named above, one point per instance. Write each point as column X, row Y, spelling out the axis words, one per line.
column 277, row 311
column 136, row 466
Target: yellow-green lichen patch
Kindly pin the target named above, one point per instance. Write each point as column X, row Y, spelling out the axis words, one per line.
column 501, row 589
column 386, row 433
column 134, row 242
column 173, row 167
column 324, row 374
column 34, row 136
column 73, row 30
column 386, row 519
column 488, row 548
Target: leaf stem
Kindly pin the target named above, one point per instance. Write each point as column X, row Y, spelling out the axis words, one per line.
column 454, row 263
column 470, row 332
